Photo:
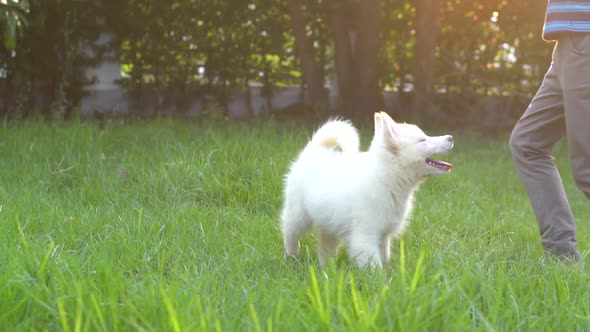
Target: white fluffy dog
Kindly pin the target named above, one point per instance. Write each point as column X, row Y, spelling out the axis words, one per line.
column 360, row 198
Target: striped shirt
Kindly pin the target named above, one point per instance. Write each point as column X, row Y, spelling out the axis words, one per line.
column 564, row 15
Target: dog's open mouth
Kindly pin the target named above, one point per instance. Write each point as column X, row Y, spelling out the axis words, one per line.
column 442, row 165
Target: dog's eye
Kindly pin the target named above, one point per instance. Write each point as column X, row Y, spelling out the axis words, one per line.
column 420, row 140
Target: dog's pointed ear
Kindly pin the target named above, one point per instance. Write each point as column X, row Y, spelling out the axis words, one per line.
column 387, row 118
column 389, row 123
column 383, row 129
column 378, row 124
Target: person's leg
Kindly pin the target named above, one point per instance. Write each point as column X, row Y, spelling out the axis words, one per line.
column 575, row 78
column 532, row 139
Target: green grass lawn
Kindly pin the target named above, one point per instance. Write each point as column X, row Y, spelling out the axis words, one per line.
column 172, row 226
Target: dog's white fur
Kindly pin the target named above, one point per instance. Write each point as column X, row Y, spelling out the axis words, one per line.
column 360, row 198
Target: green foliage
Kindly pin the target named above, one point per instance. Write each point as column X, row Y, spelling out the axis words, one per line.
column 235, row 44
column 398, row 35
column 491, row 47
column 12, row 21
column 174, row 226
column 177, row 50
column 197, row 47
column 47, row 67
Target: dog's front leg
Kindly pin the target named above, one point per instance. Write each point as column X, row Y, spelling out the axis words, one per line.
column 385, row 248
column 365, row 251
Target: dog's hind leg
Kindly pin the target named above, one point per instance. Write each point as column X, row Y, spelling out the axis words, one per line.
column 327, row 246
column 295, row 224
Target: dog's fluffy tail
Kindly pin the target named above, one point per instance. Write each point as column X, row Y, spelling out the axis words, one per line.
column 336, row 133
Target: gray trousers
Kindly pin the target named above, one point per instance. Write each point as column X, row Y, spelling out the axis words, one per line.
column 560, row 108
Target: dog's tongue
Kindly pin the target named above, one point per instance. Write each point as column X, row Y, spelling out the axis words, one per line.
column 439, row 164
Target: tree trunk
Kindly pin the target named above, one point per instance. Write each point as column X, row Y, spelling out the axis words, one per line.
column 344, row 61
column 267, row 86
column 305, row 52
column 426, row 29
column 355, row 29
column 248, row 97
column 367, row 50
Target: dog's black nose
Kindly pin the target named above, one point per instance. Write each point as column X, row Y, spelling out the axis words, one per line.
column 450, row 138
